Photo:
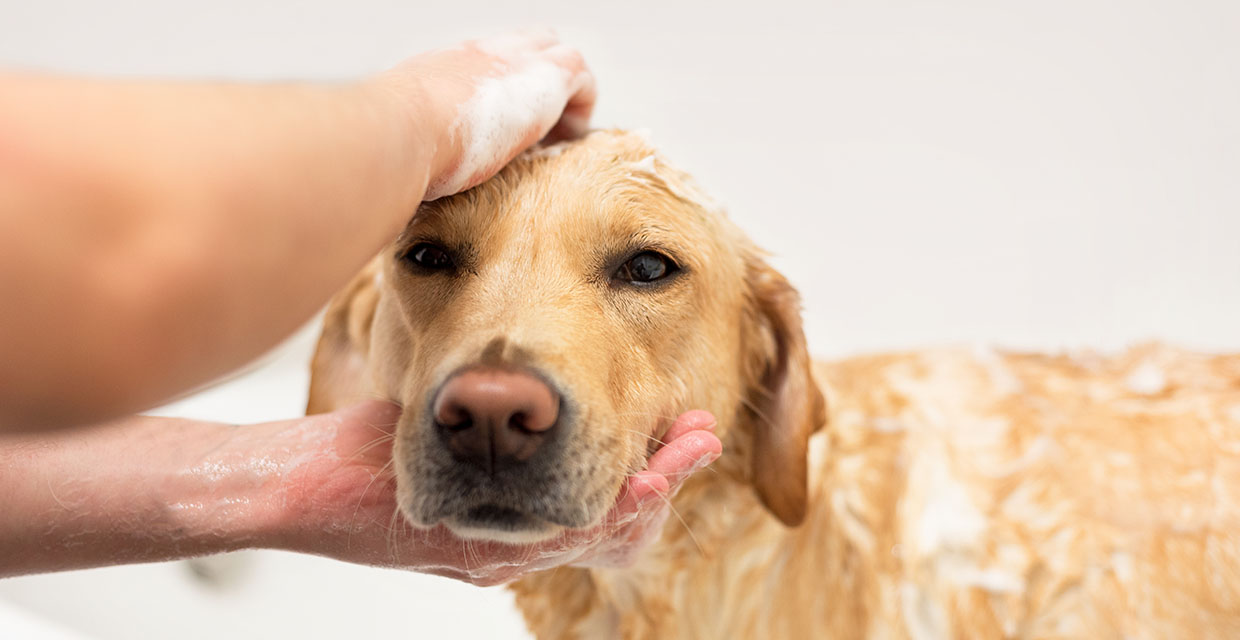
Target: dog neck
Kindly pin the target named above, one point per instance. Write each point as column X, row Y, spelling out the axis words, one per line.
column 724, row 566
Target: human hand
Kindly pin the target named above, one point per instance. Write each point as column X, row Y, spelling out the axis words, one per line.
column 320, row 484
column 343, row 498
column 492, row 99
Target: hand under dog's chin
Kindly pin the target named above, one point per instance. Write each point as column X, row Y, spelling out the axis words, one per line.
column 491, row 515
column 494, row 523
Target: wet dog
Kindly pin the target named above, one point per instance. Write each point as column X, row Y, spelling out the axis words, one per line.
column 542, row 329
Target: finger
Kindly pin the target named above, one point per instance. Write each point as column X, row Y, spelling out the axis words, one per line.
column 626, row 503
column 686, row 454
column 690, row 421
column 648, row 482
column 574, row 121
column 566, row 56
column 637, row 491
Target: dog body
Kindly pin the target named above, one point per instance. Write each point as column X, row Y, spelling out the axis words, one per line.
column 959, row 494
column 952, row 493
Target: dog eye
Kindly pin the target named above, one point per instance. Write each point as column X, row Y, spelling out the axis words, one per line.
column 429, row 256
column 646, row 267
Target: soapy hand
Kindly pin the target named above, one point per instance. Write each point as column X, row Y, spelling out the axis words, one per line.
column 493, row 98
column 347, row 506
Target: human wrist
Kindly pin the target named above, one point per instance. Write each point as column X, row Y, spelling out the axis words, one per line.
column 420, row 118
column 129, row 491
column 227, row 491
column 337, row 493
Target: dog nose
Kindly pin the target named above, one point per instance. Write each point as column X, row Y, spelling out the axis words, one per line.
column 495, row 418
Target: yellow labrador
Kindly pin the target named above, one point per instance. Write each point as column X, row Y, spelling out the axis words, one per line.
column 542, row 328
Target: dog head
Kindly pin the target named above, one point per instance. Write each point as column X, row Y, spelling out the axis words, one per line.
column 543, row 329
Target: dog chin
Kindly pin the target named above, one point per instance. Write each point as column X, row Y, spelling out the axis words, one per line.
column 532, row 534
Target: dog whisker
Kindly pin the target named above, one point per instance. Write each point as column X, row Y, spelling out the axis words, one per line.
column 683, row 522
column 381, row 473
column 646, row 436
column 370, row 445
column 396, row 526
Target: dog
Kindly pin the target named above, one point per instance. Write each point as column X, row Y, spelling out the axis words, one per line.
column 542, row 330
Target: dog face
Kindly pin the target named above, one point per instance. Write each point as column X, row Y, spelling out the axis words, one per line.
column 543, row 330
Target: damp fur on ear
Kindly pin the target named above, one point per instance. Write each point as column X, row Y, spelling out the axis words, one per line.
column 785, row 406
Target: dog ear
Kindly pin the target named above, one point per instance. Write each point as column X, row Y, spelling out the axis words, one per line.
column 785, row 406
column 338, row 374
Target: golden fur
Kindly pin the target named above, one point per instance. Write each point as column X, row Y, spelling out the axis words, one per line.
column 953, row 493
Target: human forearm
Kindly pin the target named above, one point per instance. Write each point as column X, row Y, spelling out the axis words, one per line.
column 150, row 489
column 200, row 254
column 137, row 490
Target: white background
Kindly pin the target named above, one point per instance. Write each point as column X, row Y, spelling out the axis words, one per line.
column 1044, row 175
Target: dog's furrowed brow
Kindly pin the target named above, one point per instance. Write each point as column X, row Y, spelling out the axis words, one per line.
column 632, row 230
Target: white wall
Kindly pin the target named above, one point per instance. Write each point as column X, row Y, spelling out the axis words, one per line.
column 1058, row 173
